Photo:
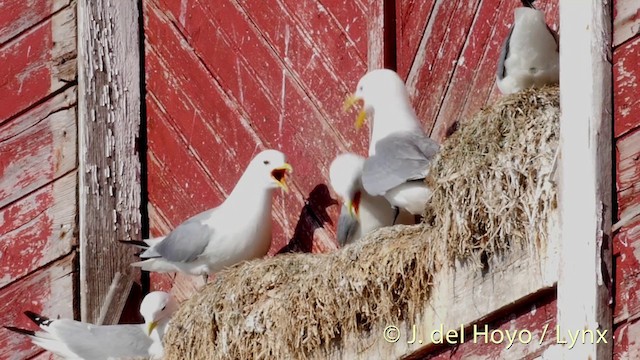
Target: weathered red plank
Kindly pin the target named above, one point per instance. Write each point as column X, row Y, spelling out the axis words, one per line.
column 170, row 161
column 36, row 149
column 628, row 171
column 163, row 34
column 626, row 75
column 412, row 17
column 533, row 318
column 17, row 16
column 37, row 229
column 352, row 19
column 626, row 20
column 435, row 60
column 37, row 64
column 271, row 95
column 627, row 248
column 44, row 356
column 307, row 75
column 319, row 63
column 48, row 291
column 626, row 344
column 481, row 38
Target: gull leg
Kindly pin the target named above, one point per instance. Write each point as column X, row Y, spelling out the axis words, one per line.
column 205, row 277
column 396, row 212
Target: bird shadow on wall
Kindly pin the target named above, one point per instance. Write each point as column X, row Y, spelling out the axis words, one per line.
column 312, row 216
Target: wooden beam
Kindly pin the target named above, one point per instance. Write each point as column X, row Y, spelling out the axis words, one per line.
column 109, row 176
column 464, row 298
column 585, row 198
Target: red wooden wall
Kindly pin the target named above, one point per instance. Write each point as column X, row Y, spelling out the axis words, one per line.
column 228, row 79
column 225, row 81
column 37, row 166
column 626, row 77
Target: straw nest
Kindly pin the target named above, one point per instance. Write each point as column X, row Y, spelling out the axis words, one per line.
column 492, row 191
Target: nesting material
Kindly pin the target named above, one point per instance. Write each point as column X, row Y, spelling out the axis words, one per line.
column 493, row 191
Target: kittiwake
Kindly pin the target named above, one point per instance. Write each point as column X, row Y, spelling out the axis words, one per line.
column 238, row 229
column 399, row 151
column 361, row 212
column 530, row 55
column 73, row 339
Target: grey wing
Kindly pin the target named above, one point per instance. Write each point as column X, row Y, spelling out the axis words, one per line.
column 102, row 342
column 347, row 227
column 186, row 242
column 501, row 71
column 399, row 158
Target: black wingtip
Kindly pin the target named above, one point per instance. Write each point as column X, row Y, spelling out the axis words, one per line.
column 528, row 3
column 135, row 243
column 20, row 331
column 37, row 318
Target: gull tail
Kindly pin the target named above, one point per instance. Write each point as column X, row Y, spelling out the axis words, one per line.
column 20, row 331
column 43, row 339
column 40, row 320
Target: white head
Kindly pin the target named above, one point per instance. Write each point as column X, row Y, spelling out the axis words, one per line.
column 381, row 87
column 269, row 168
column 156, row 309
column 345, row 176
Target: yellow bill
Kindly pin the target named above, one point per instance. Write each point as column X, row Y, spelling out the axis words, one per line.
column 152, row 325
column 349, row 102
column 280, row 175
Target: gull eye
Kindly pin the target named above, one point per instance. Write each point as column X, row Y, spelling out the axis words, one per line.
column 266, row 162
column 360, row 88
column 164, row 307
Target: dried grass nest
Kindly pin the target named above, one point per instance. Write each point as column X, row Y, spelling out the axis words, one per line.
column 493, row 190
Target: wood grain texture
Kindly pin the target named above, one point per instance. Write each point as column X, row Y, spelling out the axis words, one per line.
column 626, row 75
column 38, row 63
column 439, row 49
column 628, row 172
column 48, row 291
column 17, row 16
column 626, row 20
column 37, row 229
column 38, row 147
column 109, row 120
column 412, row 17
column 586, row 129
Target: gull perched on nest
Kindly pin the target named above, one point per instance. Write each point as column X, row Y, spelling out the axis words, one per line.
column 238, row 229
column 399, row 151
column 530, row 55
column 361, row 212
column 72, row 339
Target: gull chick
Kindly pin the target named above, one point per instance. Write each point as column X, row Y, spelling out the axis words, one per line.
column 238, row 229
column 399, row 151
column 530, row 55
column 361, row 212
column 72, row 339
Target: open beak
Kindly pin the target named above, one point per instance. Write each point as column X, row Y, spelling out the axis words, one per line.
column 354, row 206
column 280, row 175
column 152, row 325
column 349, row 102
